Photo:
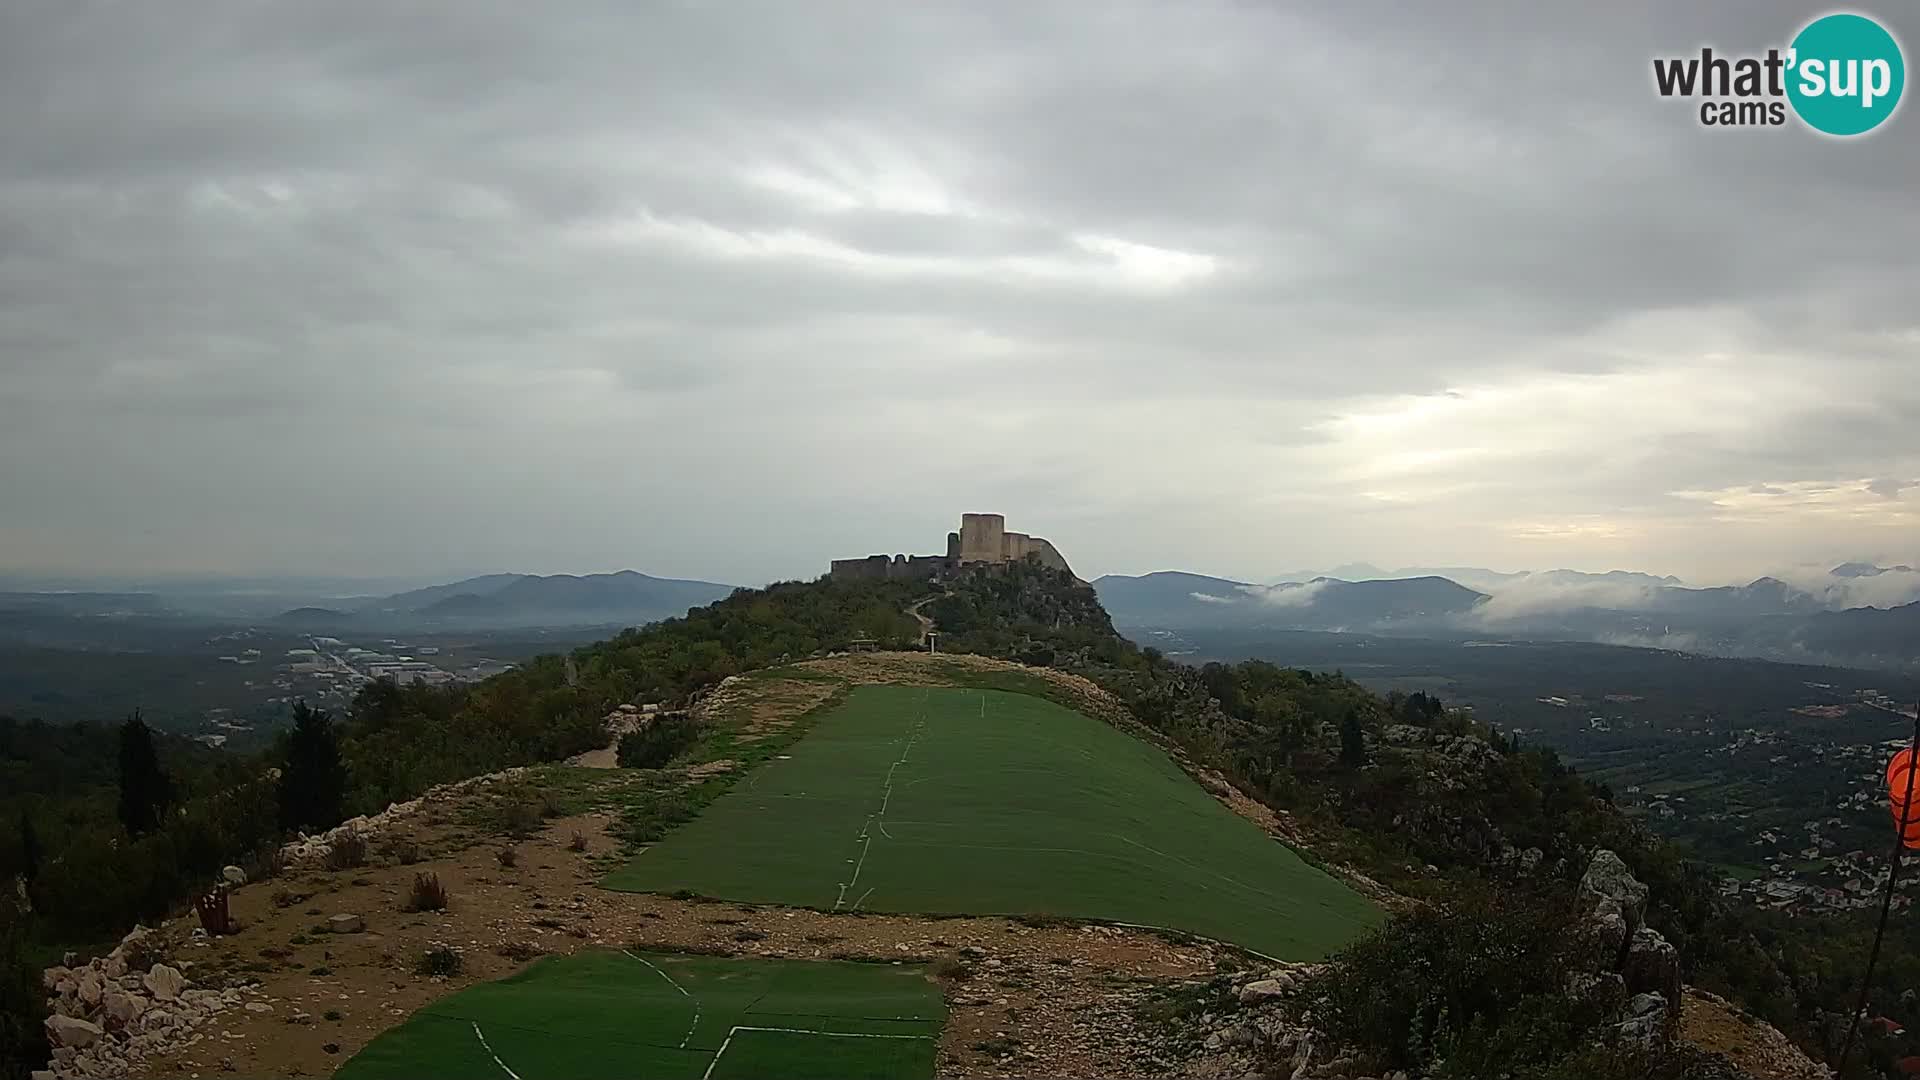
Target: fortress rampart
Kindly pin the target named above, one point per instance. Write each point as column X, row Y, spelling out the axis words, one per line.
column 982, row 539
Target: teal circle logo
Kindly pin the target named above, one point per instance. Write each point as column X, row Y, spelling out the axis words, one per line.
column 1845, row 74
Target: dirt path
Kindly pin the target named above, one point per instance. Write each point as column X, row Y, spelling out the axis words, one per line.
column 926, row 623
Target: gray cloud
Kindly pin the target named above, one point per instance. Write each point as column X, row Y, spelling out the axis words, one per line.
column 728, row 291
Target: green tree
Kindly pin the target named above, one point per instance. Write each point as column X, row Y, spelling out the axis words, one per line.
column 653, row 746
column 145, row 792
column 1353, row 744
column 313, row 777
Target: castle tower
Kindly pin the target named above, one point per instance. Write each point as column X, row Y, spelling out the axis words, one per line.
column 982, row 538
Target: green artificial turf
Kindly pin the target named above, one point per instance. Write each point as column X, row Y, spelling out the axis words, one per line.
column 963, row 801
column 603, row 1013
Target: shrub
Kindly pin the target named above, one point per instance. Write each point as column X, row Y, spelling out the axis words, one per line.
column 347, row 853
column 442, row 960
column 749, row 934
column 1488, row 984
column 655, row 745
column 333, row 1015
column 508, row 858
column 579, row 841
column 403, row 851
column 427, row 894
column 952, row 968
column 520, row 817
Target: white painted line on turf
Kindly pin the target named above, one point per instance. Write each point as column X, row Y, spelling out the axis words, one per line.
column 863, row 898
column 861, row 865
column 866, row 841
column 886, row 797
column 489, row 1049
column 728, row 1041
column 683, row 993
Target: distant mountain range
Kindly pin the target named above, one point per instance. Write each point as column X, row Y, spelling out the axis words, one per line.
column 1173, row 599
column 1479, row 577
column 505, row 600
column 1766, row 617
column 1855, row 570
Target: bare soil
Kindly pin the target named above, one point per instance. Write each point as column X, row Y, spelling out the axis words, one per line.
column 1716, row 1025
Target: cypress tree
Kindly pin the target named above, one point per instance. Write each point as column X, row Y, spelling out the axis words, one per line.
column 1353, row 744
column 145, row 793
column 313, row 778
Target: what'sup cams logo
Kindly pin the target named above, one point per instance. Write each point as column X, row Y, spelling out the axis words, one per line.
column 1842, row 75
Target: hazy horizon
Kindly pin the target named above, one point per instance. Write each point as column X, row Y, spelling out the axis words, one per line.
column 722, row 294
column 346, row 585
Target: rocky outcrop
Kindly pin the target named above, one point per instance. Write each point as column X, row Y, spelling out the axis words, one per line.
column 71, row 1031
column 109, row 1016
column 1646, row 963
column 164, row 983
column 1652, row 966
column 1612, row 889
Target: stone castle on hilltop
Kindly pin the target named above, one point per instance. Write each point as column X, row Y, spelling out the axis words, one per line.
column 982, row 539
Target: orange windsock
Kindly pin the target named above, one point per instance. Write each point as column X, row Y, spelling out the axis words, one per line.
column 1901, row 783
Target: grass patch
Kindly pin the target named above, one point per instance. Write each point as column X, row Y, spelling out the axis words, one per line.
column 607, row 1013
column 999, row 804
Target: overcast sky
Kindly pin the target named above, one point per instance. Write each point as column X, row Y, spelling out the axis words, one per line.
column 725, row 290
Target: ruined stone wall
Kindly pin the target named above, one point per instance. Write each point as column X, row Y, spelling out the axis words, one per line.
column 919, row 567
column 887, row 568
column 871, row 568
